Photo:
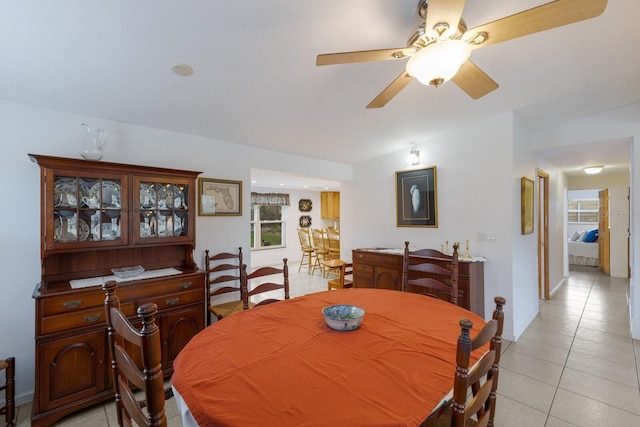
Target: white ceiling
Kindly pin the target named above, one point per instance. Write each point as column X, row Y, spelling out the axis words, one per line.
column 256, row 82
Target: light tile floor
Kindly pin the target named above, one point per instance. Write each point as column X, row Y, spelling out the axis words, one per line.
column 575, row 365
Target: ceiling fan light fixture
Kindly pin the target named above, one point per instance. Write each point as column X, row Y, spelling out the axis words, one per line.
column 592, row 170
column 438, row 62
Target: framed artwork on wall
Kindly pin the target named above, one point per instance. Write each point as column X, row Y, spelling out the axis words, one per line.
column 305, row 205
column 526, row 214
column 219, row 197
column 416, row 198
column 305, row 221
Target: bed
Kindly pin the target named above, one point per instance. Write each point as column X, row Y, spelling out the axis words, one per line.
column 583, row 253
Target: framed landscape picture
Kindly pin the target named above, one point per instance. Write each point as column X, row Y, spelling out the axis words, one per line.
column 219, row 197
column 416, row 198
column 526, row 214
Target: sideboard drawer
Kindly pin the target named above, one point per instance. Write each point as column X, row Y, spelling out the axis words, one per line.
column 80, row 318
column 168, row 301
column 71, row 303
column 168, row 285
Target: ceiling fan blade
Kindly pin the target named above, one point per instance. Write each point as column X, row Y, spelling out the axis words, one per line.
column 390, row 91
column 541, row 18
column 364, row 56
column 473, row 80
column 444, row 11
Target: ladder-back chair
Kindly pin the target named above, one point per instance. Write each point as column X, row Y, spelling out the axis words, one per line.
column 426, row 274
column 8, row 365
column 223, row 278
column 263, row 283
column 126, row 345
column 475, row 389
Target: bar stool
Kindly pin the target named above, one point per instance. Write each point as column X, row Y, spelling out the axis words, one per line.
column 9, row 408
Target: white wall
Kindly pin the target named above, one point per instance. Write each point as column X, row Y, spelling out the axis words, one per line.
column 620, row 123
column 524, row 250
column 475, row 186
column 25, row 129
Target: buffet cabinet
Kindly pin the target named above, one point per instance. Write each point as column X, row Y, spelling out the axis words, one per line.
column 95, row 217
column 380, row 268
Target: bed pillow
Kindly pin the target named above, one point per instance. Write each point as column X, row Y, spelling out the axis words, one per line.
column 591, row 236
column 574, row 237
column 581, row 236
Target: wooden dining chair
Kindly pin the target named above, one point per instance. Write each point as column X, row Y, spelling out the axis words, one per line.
column 306, row 247
column 341, row 282
column 333, row 240
column 8, row 365
column 223, row 280
column 127, row 345
column 479, row 382
column 425, row 274
column 263, row 283
column 320, row 249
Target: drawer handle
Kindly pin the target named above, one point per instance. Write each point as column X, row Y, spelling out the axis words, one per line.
column 72, row 304
column 185, row 285
column 173, row 301
column 92, row 318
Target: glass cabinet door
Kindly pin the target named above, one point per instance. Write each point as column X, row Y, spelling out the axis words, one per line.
column 87, row 209
column 163, row 209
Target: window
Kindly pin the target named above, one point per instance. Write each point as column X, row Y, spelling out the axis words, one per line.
column 583, row 210
column 268, row 220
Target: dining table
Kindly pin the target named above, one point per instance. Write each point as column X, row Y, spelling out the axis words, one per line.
column 281, row 365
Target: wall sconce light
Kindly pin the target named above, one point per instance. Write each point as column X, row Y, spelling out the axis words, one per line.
column 592, row 170
column 414, row 156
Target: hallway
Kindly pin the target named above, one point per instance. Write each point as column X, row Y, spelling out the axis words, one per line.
column 576, row 364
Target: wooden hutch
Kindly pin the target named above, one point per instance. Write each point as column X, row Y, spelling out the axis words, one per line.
column 382, row 268
column 96, row 216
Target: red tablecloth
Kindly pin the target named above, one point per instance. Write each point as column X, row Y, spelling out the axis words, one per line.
column 281, row 365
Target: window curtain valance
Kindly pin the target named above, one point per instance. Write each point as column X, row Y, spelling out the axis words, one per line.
column 270, row 199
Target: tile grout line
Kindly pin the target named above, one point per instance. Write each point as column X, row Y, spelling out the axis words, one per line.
column 555, row 393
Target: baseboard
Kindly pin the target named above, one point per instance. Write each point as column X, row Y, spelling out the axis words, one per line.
column 557, row 288
column 24, row 399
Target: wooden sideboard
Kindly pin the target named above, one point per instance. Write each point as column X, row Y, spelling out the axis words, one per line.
column 380, row 268
column 96, row 216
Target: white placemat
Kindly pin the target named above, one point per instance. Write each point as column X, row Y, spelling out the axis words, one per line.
column 95, row 281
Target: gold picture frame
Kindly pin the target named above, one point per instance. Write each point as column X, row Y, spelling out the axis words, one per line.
column 526, row 214
column 219, row 197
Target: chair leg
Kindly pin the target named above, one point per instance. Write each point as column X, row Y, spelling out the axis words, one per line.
column 9, row 409
column 316, row 263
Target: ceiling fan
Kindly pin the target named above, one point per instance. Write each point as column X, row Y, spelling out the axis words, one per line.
column 439, row 48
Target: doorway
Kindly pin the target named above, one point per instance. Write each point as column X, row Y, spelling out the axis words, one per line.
column 603, row 232
column 543, row 234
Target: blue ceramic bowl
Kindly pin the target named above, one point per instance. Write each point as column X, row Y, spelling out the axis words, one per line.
column 343, row 317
